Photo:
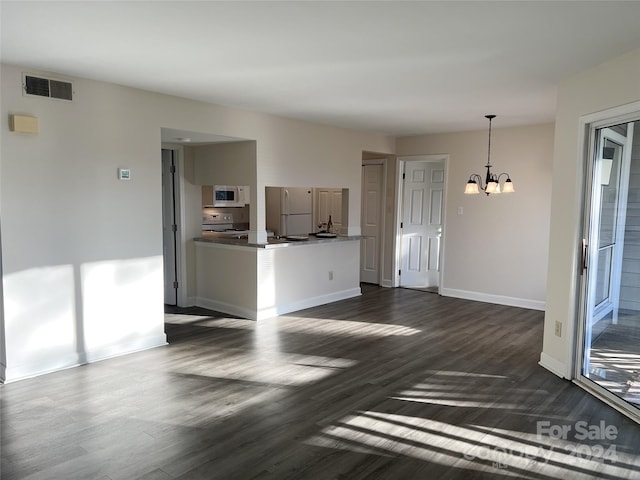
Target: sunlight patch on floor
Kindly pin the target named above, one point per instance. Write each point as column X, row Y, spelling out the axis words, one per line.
column 268, row 368
column 481, row 448
column 310, row 326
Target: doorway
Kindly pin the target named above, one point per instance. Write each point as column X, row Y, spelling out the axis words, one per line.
column 421, row 195
column 609, row 325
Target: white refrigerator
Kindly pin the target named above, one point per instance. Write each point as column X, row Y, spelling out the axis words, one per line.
column 289, row 210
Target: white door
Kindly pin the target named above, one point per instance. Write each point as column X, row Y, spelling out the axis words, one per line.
column 371, row 222
column 328, row 203
column 422, row 207
column 169, row 227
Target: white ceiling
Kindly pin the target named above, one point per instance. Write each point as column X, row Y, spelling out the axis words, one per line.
column 392, row 67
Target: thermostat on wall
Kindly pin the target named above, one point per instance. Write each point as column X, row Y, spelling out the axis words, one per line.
column 124, row 174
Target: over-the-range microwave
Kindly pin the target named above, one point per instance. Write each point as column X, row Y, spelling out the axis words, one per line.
column 230, row 195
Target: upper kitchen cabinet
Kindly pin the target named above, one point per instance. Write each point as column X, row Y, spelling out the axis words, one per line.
column 207, row 195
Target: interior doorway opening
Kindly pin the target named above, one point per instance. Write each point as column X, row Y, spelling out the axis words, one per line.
column 420, row 221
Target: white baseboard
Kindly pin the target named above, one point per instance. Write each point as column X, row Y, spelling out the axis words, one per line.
column 388, row 283
column 29, row 370
column 125, row 348
column 227, row 308
column 281, row 309
column 553, row 365
column 497, row 299
column 311, row 302
column 190, row 302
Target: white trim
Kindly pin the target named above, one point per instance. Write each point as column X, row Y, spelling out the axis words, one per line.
column 626, row 408
column 399, row 195
column 388, row 283
column 554, row 366
column 228, row 308
column 311, row 302
column 21, row 372
column 282, row 309
column 126, row 348
column 497, row 299
column 610, row 116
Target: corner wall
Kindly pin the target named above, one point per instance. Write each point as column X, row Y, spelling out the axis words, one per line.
column 609, row 85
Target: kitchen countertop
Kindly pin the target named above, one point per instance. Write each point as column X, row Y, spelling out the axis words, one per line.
column 273, row 242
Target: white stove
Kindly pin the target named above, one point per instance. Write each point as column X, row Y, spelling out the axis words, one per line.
column 221, row 223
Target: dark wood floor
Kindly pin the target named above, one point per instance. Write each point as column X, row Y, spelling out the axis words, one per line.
column 395, row 384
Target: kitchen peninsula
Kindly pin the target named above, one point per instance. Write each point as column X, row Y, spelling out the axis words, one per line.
column 259, row 281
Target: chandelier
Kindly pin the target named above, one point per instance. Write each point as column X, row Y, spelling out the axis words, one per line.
column 492, row 181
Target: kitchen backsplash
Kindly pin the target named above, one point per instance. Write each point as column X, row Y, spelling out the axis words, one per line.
column 240, row 214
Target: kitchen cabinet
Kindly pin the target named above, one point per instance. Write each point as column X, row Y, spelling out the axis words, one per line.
column 207, row 195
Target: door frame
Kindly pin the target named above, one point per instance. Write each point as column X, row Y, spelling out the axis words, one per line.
column 382, row 215
column 588, row 124
column 399, row 196
column 180, row 215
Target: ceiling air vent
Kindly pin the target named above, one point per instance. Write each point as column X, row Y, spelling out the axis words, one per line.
column 45, row 87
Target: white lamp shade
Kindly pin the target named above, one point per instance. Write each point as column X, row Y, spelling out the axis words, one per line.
column 471, row 188
column 508, row 187
column 491, row 187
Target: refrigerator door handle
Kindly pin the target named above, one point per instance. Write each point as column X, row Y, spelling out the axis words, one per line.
column 285, row 202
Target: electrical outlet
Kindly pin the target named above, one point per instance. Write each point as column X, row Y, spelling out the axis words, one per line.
column 330, row 274
column 558, row 329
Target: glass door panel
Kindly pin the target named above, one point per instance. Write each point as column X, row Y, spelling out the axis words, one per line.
column 610, row 330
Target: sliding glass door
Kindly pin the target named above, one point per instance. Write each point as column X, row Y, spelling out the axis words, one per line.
column 609, row 340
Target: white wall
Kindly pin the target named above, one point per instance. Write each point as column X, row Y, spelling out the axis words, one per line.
column 496, row 251
column 609, row 85
column 230, row 163
column 82, row 251
column 332, row 273
column 259, row 283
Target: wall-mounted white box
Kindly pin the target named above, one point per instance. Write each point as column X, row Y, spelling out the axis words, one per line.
column 23, row 124
column 124, row 174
